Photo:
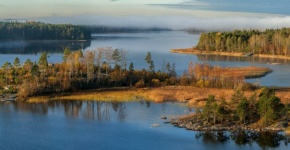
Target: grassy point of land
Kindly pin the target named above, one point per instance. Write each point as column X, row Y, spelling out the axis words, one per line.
column 247, row 72
column 38, row 99
column 161, row 94
column 112, row 94
column 122, row 96
column 193, row 96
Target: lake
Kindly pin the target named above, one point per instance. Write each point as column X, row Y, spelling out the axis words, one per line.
column 137, row 46
column 107, row 125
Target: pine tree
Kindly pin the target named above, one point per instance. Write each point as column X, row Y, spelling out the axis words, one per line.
column 16, row 62
column 168, row 68
column 42, row 62
column 66, row 53
column 209, row 108
column 172, row 71
column 27, row 65
column 131, row 67
column 150, row 62
column 252, row 107
column 269, row 106
column 35, row 70
column 7, row 66
column 242, row 110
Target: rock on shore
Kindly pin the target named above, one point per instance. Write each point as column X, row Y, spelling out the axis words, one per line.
column 7, row 97
column 201, row 125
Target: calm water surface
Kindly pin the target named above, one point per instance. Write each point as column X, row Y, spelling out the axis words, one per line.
column 103, row 125
column 137, row 45
column 100, row 125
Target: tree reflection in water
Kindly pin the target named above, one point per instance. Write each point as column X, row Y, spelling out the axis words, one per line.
column 39, row 108
column 210, row 57
column 263, row 139
column 93, row 109
column 75, row 109
column 146, row 102
column 96, row 110
column 38, row 46
column 213, row 137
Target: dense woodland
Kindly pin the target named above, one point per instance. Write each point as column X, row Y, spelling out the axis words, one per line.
column 270, row 41
column 258, row 110
column 30, row 30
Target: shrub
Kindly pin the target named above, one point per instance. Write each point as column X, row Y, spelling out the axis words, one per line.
column 140, row 84
column 155, row 82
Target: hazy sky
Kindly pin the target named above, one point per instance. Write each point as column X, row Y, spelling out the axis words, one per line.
column 146, row 13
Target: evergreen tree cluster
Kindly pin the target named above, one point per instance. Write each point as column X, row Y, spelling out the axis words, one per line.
column 270, row 41
column 31, row 30
column 262, row 109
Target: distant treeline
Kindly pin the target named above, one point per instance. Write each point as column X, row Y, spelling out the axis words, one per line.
column 270, row 41
column 30, row 30
column 107, row 29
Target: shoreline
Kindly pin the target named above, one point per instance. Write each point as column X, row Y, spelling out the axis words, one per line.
column 191, row 122
column 184, row 94
column 194, row 51
column 193, row 97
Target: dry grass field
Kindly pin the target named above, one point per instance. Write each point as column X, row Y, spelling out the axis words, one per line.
column 193, row 96
column 169, row 93
column 247, row 72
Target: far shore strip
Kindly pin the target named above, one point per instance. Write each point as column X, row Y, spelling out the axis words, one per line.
column 239, row 54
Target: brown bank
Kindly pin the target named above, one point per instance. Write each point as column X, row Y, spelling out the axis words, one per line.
column 195, row 51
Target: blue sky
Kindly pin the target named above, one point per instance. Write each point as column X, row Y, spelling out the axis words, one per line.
column 168, row 13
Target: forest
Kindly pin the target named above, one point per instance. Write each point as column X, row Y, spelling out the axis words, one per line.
column 31, row 30
column 270, row 41
column 258, row 110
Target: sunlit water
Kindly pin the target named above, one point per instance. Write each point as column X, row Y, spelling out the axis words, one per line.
column 102, row 125
column 96, row 125
column 137, row 46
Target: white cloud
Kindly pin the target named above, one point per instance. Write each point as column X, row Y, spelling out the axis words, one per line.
column 178, row 22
